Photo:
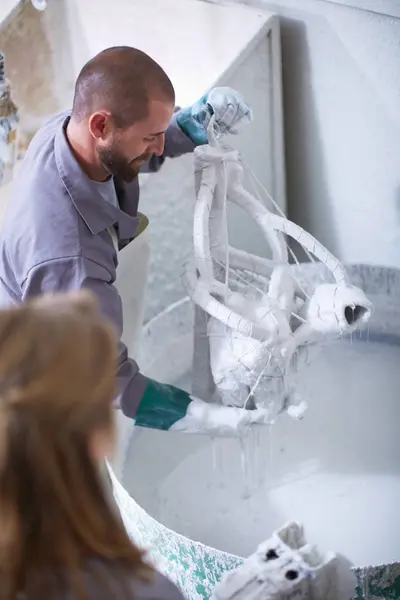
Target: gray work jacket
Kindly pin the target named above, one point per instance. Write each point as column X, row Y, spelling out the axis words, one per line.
column 55, row 234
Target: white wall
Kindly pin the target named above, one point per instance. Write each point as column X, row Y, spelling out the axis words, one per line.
column 341, row 80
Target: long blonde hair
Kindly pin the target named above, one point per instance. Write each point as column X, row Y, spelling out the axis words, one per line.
column 57, row 383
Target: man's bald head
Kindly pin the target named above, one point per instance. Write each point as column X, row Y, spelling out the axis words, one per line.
column 121, row 80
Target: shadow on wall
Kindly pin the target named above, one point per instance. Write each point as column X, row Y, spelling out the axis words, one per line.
column 303, row 144
column 340, row 145
column 396, row 240
column 342, row 133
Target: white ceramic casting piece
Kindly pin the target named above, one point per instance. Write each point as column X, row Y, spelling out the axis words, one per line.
column 255, row 340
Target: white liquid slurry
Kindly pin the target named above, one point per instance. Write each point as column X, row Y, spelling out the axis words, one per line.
column 337, row 471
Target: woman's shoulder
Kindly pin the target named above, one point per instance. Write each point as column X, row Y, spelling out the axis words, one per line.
column 159, row 587
column 105, row 581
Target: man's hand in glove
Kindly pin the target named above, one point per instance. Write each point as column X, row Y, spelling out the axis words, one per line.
column 170, row 408
column 228, row 107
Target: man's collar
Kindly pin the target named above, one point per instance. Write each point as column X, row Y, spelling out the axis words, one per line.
column 98, row 214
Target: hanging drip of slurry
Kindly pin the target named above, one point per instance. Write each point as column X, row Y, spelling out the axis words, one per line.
column 254, row 459
column 255, row 455
column 218, row 463
column 9, row 119
column 245, row 464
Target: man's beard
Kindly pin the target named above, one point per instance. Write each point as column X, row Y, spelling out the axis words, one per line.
column 117, row 165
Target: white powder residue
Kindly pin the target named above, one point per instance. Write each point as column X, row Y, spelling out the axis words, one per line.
column 337, row 471
column 203, row 417
column 247, row 371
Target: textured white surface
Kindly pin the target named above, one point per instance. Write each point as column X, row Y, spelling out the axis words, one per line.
column 167, row 198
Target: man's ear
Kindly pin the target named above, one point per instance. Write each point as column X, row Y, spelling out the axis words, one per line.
column 99, row 124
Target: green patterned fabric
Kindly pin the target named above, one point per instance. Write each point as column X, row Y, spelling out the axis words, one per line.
column 196, row 568
column 378, row 583
column 161, row 406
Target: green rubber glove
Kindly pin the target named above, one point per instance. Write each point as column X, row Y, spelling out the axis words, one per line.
column 228, row 107
column 169, row 408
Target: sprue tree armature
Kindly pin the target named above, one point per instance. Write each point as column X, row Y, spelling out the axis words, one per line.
column 255, row 321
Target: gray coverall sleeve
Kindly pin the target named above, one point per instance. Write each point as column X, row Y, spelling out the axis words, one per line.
column 77, row 273
column 176, row 144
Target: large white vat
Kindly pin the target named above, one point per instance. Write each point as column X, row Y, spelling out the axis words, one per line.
column 337, row 471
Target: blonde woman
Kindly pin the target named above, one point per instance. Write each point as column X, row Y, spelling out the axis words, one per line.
column 59, row 537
